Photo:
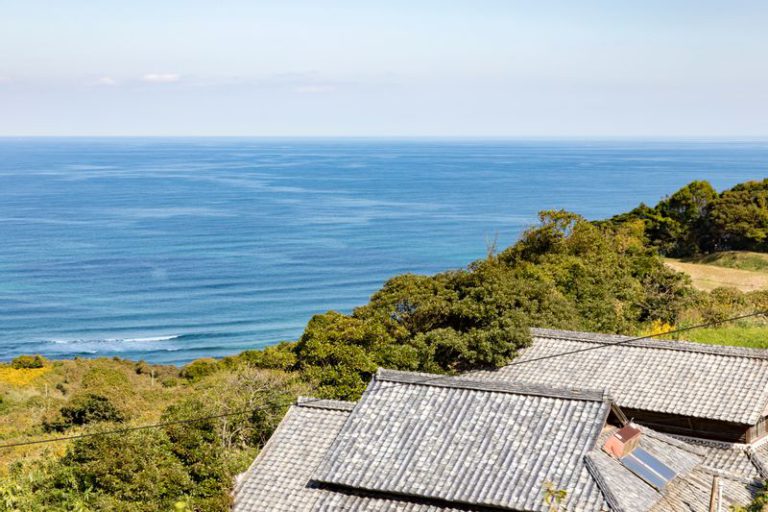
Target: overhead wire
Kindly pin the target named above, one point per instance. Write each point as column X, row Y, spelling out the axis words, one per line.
column 597, row 346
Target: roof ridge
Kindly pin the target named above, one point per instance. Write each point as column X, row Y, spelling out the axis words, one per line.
column 724, row 474
column 516, row 387
column 711, row 443
column 324, row 403
column 756, row 461
column 673, row 441
column 630, row 341
column 605, row 489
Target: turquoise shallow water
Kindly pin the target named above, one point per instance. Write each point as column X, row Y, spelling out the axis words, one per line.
column 172, row 249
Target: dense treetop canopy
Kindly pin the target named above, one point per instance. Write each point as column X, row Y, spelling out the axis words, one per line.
column 565, row 273
column 698, row 220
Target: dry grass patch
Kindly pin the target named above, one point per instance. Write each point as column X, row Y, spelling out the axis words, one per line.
column 708, row 277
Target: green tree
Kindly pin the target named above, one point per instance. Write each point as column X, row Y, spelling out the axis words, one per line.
column 24, row 362
column 740, row 217
column 683, row 227
column 84, row 409
column 199, row 448
column 134, row 471
column 339, row 352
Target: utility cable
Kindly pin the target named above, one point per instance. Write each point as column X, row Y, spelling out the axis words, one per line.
column 597, row 346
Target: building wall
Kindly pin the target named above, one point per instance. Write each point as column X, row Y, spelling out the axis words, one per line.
column 758, row 431
column 697, row 427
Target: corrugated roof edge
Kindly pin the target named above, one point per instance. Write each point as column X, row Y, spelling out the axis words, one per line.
column 318, row 403
column 673, row 441
column 516, row 388
column 748, row 450
column 708, row 442
column 726, row 474
column 682, row 346
column 594, row 472
column 241, row 478
column 403, row 498
column 756, row 461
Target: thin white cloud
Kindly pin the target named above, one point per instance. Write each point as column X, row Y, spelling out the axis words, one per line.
column 106, row 81
column 161, row 78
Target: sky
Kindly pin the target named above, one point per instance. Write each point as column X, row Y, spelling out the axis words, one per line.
column 421, row 68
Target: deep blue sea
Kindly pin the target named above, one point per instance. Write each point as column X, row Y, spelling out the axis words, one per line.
column 172, row 249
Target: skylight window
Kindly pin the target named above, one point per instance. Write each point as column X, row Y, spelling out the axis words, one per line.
column 649, row 468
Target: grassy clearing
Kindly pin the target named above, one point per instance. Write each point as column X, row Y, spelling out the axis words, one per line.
column 707, row 277
column 745, row 335
column 742, row 260
column 28, row 396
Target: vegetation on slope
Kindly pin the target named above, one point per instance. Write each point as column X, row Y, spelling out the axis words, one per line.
column 564, row 273
column 189, row 466
column 739, row 260
column 698, row 220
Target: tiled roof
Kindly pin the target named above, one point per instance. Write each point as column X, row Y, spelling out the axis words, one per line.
column 465, row 442
column 279, row 478
column 737, row 459
column 693, row 492
column 426, row 443
column 346, row 501
column 625, row 491
column 673, row 377
column 688, row 491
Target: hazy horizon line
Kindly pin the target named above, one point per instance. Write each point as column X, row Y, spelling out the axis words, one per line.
column 691, row 138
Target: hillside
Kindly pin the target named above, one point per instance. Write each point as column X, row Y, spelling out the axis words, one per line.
column 565, row 273
column 708, row 276
column 743, row 260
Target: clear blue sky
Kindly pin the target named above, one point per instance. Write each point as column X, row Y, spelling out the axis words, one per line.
column 384, row 68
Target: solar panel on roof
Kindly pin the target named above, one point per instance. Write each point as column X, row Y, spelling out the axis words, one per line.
column 640, row 469
column 655, row 464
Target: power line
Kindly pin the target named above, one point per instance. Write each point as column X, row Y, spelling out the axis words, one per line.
column 130, row 429
column 423, row 381
column 639, row 338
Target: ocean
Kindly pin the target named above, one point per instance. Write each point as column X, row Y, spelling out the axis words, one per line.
column 169, row 249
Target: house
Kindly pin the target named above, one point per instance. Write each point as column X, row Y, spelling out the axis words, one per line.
column 679, row 387
column 425, row 443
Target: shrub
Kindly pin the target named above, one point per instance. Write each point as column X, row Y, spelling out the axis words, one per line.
column 84, row 409
column 200, row 368
column 142, row 368
column 279, row 357
column 91, row 408
column 100, row 379
column 135, row 471
column 25, row 362
column 697, row 220
column 169, row 382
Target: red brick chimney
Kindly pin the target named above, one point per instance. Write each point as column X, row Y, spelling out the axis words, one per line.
column 622, row 442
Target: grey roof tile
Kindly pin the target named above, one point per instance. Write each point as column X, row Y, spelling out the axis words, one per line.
column 279, row 478
column 425, row 443
column 759, row 456
column 674, row 377
column 623, row 489
column 692, row 493
column 468, row 443
column 688, row 491
column 340, row 501
column 736, row 459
